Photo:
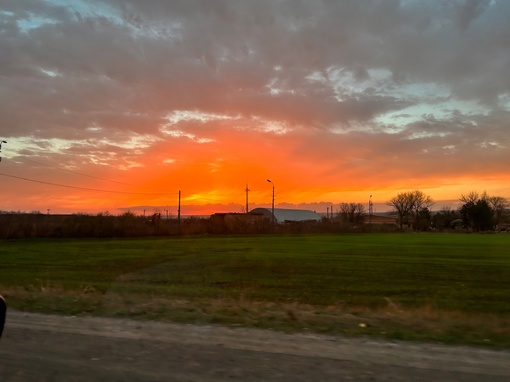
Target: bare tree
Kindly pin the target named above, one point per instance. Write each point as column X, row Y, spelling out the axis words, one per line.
column 420, row 203
column 473, row 197
column 403, row 205
column 409, row 205
column 352, row 212
column 476, row 203
column 499, row 206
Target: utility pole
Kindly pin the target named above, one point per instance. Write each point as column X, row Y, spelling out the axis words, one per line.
column 179, row 214
column 247, row 190
column 179, row 209
column 272, row 204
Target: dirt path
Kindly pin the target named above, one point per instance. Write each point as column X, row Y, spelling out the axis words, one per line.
column 38, row 347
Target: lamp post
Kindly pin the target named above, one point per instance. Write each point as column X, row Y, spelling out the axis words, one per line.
column 272, row 203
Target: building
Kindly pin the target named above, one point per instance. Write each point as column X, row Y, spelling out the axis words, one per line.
column 283, row 215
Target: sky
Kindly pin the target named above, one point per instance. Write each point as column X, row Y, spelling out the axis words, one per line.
column 116, row 105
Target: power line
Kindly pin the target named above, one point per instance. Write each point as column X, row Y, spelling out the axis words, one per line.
column 76, row 172
column 85, row 188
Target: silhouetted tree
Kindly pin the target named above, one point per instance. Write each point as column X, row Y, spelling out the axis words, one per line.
column 472, row 196
column 478, row 216
column 481, row 211
column 403, row 205
column 499, row 206
column 421, row 205
column 444, row 218
column 423, row 220
column 352, row 212
column 408, row 205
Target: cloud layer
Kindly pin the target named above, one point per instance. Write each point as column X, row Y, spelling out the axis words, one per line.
column 332, row 100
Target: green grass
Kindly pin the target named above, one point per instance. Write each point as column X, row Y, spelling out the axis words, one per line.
column 445, row 287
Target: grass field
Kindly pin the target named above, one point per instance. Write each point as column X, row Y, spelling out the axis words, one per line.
column 441, row 287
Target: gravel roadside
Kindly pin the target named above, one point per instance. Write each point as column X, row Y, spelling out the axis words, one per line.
column 58, row 348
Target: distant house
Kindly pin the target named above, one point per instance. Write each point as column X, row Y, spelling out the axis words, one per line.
column 283, row 215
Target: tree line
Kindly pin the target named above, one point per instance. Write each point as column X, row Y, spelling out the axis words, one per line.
column 478, row 212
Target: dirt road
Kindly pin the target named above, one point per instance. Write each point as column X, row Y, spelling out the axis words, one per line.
column 38, row 347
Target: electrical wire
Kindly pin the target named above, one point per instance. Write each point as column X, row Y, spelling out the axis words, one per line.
column 76, row 172
column 85, row 188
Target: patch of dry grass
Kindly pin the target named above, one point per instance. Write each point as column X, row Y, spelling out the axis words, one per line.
column 392, row 321
column 426, row 323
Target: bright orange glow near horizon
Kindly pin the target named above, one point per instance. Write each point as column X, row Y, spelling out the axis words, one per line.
column 216, row 183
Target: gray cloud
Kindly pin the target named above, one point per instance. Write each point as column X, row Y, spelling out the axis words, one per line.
column 101, row 72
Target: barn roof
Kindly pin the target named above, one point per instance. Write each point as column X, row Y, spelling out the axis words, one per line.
column 283, row 214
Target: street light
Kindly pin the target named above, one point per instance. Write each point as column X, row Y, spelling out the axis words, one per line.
column 272, row 204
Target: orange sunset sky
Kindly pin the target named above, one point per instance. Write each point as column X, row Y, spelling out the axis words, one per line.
column 109, row 105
